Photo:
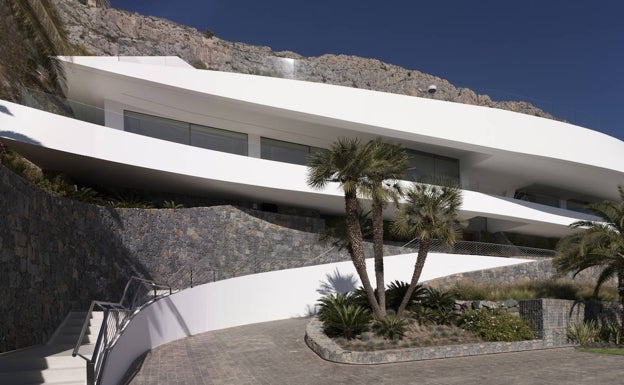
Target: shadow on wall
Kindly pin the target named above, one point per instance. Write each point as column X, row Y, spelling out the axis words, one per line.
column 12, row 135
column 337, row 283
column 5, row 110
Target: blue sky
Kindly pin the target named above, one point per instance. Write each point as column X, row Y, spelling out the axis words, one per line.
column 565, row 56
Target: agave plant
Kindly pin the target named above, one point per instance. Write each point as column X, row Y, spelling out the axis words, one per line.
column 390, row 327
column 395, row 292
column 342, row 317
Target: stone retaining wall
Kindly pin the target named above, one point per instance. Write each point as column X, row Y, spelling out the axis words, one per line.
column 56, row 255
column 539, row 269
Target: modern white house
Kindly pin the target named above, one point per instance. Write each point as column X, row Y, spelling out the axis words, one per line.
column 157, row 122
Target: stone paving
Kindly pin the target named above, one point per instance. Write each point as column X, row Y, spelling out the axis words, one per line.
column 274, row 353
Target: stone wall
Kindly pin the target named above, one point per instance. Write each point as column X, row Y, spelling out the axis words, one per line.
column 539, row 269
column 549, row 318
column 56, row 255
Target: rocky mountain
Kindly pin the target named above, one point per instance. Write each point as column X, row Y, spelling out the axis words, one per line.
column 108, row 31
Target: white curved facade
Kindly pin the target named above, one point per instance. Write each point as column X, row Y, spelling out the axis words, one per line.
column 500, row 155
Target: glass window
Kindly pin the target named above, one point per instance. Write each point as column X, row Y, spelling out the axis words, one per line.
column 578, row 206
column 432, row 168
column 218, row 140
column 284, row 151
column 157, row 127
column 186, row 133
column 447, row 169
column 543, row 199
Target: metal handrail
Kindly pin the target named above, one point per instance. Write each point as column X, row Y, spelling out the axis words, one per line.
column 488, row 249
column 108, row 335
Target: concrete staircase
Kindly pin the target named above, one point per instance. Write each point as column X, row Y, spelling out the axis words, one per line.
column 53, row 363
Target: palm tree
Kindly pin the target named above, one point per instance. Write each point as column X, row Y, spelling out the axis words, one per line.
column 598, row 244
column 388, row 164
column 346, row 163
column 430, row 213
column 41, row 24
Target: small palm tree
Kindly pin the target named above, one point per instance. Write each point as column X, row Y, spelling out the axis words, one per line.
column 430, row 213
column 388, row 164
column 346, row 163
column 598, row 244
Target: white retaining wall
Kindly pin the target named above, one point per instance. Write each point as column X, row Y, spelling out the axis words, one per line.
column 264, row 297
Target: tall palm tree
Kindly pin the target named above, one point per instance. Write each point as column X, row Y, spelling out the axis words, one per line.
column 430, row 213
column 388, row 165
column 598, row 244
column 40, row 22
column 346, row 163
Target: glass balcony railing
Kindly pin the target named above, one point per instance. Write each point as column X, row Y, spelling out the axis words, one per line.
column 61, row 106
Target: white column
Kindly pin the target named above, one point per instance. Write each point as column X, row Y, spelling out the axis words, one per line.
column 254, row 149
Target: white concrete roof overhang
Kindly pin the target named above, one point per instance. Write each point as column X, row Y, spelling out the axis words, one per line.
column 107, row 156
column 490, row 143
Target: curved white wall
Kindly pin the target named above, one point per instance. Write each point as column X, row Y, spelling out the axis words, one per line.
column 263, row 297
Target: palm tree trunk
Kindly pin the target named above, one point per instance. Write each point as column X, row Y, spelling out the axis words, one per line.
column 620, row 282
column 357, row 251
column 377, row 217
column 423, row 250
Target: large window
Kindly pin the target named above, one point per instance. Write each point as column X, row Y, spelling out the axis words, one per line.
column 156, row 127
column 285, row 151
column 431, row 168
column 218, row 140
column 553, row 196
column 186, row 133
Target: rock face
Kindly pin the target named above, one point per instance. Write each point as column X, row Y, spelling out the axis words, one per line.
column 100, row 31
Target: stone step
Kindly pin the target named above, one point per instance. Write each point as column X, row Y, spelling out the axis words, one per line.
column 53, row 363
column 59, row 356
column 47, row 376
column 70, row 329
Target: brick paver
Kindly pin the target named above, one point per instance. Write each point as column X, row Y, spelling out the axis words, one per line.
column 274, row 353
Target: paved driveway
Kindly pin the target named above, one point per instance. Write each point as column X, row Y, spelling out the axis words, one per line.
column 274, row 353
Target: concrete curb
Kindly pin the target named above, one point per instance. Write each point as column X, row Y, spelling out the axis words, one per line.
column 327, row 349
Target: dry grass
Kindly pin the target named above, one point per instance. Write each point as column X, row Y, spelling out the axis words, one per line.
column 561, row 289
column 417, row 336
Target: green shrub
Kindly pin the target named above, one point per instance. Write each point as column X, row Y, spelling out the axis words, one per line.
column 360, row 298
column 611, row 331
column 390, row 327
column 438, row 300
column 583, row 333
column 423, row 315
column 172, row 205
column 86, row 194
column 495, row 325
column 341, row 317
column 395, row 292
